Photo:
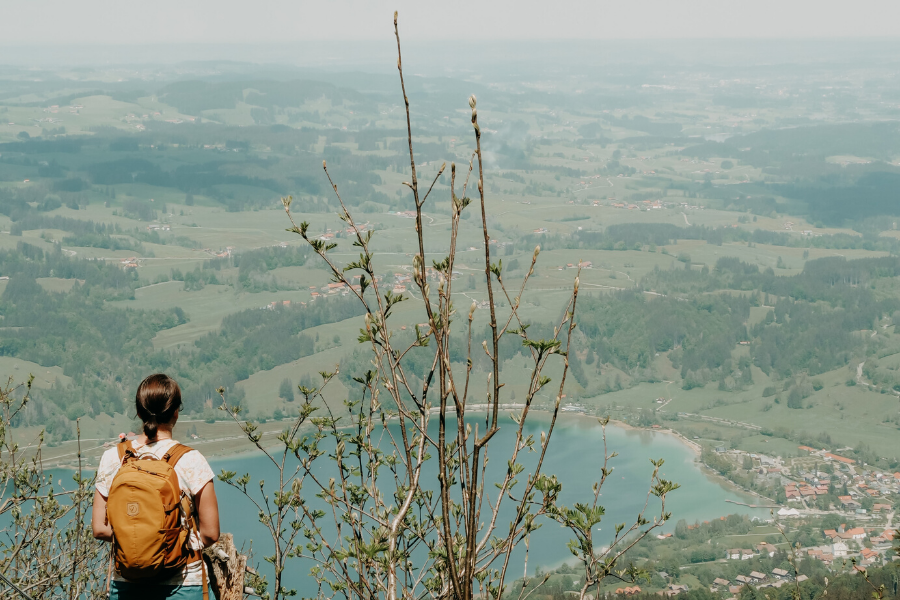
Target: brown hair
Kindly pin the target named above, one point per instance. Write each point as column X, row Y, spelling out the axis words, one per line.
column 157, row 399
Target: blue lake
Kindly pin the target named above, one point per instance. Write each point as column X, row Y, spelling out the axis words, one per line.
column 575, row 457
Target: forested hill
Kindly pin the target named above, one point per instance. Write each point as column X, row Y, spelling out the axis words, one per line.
column 810, row 325
column 107, row 350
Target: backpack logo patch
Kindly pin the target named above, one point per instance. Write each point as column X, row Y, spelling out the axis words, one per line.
column 132, row 509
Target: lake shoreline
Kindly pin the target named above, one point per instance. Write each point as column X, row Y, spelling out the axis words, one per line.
column 697, row 449
column 567, row 416
column 571, row 417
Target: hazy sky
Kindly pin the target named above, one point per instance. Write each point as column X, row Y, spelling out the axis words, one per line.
column 278, row 21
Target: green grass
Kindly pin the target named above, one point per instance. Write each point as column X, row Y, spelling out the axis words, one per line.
column 44, row 375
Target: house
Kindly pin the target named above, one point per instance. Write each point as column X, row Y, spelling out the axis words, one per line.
column 818, row 554
column 780, row 573
column 766, row 548
column 743, row 579
column 802, row 578
column 628, row 591
column 839, row 549
column 840, row 459
column 718, row 581
column 672, row 590
column 757, row 577
column 868, row 555
column 885, row 537
column 849, row 503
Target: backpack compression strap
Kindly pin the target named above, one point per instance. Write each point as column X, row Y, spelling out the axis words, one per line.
column 124, row 449
column 174, row 454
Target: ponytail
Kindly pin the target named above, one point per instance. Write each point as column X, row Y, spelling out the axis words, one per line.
column 150, row 429
column 157, row 398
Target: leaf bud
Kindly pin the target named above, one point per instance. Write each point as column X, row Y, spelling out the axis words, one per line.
column 576, row 284
column 472, row 101
column 472, row 310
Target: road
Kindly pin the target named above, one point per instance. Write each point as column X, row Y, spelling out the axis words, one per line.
column 725, row 421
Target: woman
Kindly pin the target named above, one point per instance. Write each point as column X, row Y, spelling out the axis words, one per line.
column 158, row 402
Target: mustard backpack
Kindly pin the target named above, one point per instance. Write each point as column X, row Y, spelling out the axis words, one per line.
column 145, row 509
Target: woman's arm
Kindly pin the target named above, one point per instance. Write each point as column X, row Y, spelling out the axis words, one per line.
column 208, row 514
column 102, row 530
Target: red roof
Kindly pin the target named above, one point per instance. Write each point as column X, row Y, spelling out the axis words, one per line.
column 848, row 461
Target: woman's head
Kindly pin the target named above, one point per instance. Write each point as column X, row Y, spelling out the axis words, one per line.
column 157, row 399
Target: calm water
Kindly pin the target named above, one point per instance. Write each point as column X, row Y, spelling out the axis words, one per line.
column 575, row 457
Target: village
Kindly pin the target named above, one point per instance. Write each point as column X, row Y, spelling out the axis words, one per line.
column 847, row 508
column 831, row 515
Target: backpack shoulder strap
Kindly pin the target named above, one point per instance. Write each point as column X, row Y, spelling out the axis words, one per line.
column 124, row 448
column 174, row 454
